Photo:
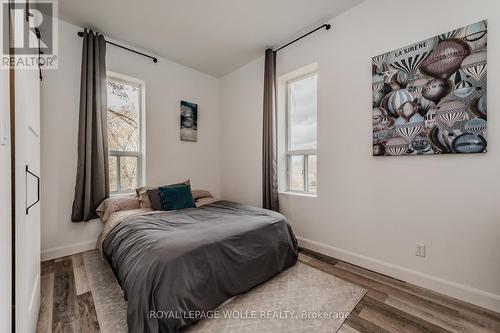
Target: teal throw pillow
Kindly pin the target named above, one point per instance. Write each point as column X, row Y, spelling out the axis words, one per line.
column 176, row 197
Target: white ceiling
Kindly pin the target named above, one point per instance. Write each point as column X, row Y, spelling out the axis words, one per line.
column 213, row 36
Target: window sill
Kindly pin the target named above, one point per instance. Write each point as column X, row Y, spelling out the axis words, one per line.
column 299, row 194
column 122, row 194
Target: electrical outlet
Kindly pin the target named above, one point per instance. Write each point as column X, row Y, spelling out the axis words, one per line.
column 420, row 250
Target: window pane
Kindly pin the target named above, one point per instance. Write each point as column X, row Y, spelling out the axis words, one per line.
column 123, row 116
column 302, row 104
column 311, row 173
column 297, row 173
column 113, row 184
column 128, row 173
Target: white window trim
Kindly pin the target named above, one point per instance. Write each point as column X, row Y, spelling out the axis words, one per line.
column 289, row 153
column 141, row 154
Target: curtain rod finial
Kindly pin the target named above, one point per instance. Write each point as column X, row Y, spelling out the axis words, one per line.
column 328, row 26
column 80, row 33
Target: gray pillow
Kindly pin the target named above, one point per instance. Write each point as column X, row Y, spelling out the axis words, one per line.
column 155, row 198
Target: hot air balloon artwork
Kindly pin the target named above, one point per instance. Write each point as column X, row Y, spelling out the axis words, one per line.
column 475, row 65
column 430, row 97
column 476, row 35
column 476, row 126
column 480, row 107
column 396, row 99
column 408, row 130
column 377, row 61
column 463, row 88
column 445, row 59
column 448, row 114
column 379, row 89
column 452, row 34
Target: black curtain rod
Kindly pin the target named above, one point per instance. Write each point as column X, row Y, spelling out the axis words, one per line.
column 326, row 26
column 155, row 60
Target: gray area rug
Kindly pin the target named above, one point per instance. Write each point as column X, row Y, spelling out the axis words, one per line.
column 300, row 299
column 109, row 303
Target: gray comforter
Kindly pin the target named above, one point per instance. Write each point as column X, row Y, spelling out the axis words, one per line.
column 171, row 264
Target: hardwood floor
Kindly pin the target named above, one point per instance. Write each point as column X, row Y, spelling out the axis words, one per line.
column 390, row 305
column 67, row 304
column 394, row 306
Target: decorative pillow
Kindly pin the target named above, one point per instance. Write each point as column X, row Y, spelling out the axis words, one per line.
column 115, row 204
column 176, row 197
column 200, row 194
column 155, row 199
column 150, row 196
column 205, row 201
column 142, row 195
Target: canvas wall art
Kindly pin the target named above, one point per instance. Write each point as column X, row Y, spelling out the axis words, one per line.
column 430, row 97
column 189, row 121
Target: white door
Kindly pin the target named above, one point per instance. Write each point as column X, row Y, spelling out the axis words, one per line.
column 27, row 221
column 5, row 200
column 5, row 205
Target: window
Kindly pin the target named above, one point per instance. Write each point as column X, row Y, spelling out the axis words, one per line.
column 125, row 133
column 301, row 123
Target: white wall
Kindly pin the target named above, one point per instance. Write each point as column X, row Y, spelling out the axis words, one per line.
column 242, row 102
column 168, row 159
column 371, row 211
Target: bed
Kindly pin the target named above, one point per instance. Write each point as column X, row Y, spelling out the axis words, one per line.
column 176, row 266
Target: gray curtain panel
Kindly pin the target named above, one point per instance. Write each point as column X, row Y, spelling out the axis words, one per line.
column 92, row 174
column 269, row 142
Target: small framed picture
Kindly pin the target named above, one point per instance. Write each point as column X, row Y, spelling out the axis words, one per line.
column 189, row 121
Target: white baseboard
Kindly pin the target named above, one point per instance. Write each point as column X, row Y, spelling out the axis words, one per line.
column 453, row 289
column 67, row 250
